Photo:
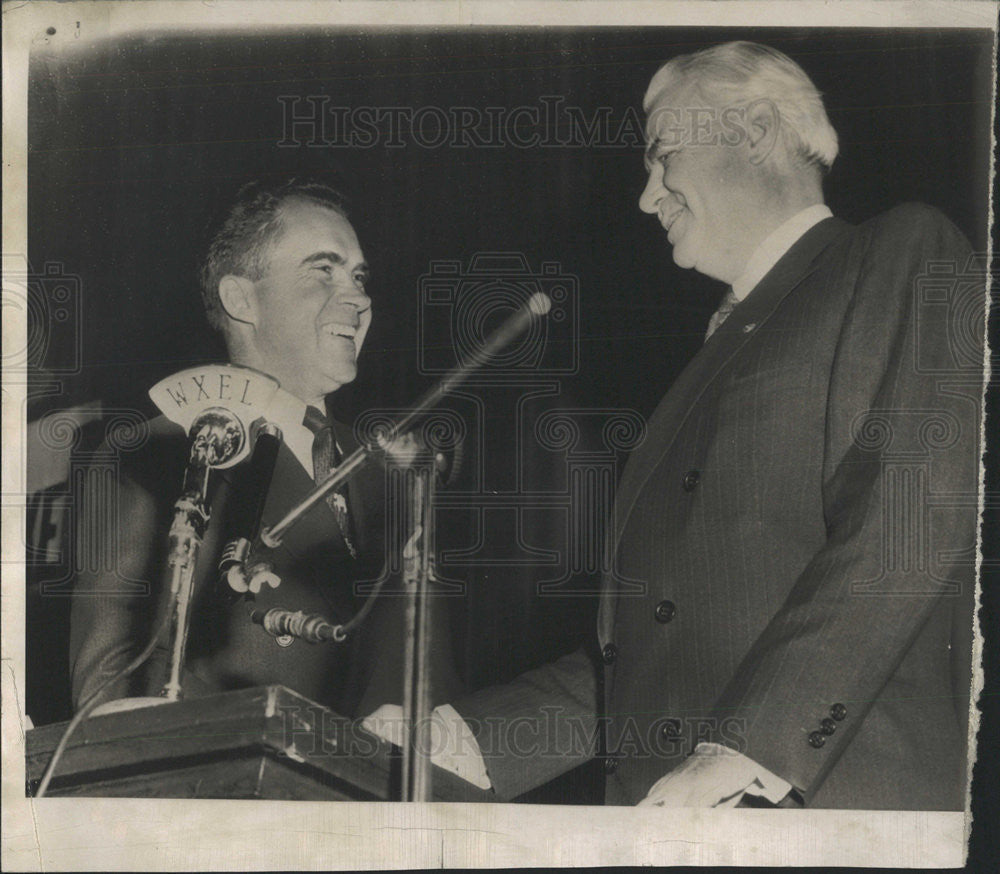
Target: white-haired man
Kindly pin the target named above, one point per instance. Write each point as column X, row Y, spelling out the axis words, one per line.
column 800, row 518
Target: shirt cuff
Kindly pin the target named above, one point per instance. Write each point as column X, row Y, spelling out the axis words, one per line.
column 461, row 753
column 765, row 784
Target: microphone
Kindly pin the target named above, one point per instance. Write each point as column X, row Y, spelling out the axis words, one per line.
column 248, row 502
column 311, row 627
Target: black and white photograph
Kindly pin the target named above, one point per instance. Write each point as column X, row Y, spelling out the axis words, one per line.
column 554, row 431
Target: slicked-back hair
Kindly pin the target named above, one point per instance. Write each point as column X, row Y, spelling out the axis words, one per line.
column 241, row 237
column 735, row 74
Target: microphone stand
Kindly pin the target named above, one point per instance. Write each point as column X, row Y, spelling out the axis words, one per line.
column 418, row 573
column 186, row 533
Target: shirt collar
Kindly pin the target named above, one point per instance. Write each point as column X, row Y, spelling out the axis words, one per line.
column 775, row 245
column 287, row 412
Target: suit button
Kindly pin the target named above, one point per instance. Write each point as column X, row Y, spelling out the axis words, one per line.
column 610, row 765
column 665, row 611
column 690, row 480
column 838, row 712
column 827, row 726
column 671, row 729
column 609, row 654
column 817, row 739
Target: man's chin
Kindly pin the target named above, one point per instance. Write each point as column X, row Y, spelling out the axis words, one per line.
column 683, row 259
column 341, row 378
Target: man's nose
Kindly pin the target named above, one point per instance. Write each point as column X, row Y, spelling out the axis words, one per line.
column 353, row 294
column 653, row 193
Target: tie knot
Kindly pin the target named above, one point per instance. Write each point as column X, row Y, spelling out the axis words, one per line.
column 315, row 420
column 728, row 302
column 726, row 306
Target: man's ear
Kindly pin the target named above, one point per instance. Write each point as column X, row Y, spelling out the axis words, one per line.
column 239, row 298
column 763, row 125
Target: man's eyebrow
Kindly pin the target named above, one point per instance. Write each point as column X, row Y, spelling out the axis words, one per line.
column 335, row 257
column 658, row 145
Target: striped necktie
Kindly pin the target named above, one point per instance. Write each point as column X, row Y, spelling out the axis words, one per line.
column 326, row 457
column 722, row 313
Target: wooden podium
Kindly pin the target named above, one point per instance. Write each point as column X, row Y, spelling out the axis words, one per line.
column 266, row 742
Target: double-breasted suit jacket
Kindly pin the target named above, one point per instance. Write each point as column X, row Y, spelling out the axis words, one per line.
column 113, row 611
column 794, row 543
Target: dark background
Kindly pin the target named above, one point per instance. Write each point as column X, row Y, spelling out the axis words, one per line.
column 135, row 143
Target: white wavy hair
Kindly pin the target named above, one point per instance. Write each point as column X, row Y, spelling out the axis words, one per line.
column 738, row 73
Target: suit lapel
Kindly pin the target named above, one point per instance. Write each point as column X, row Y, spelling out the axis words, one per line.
column 672, row 412
column 290, row 483
column 365, row 492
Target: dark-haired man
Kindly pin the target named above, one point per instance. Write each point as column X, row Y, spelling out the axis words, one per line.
column 284, row 281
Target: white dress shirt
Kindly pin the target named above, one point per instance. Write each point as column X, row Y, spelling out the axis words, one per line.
column 287, row 412
column 775, row 245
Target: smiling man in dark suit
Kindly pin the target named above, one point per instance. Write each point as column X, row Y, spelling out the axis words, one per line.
column 284, row 281
column 790, row 618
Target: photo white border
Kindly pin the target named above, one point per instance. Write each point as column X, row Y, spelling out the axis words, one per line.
column 140, row 834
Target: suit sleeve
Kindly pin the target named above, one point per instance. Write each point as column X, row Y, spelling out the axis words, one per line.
column 538, row 726
column 893, row 432
column 115, row 597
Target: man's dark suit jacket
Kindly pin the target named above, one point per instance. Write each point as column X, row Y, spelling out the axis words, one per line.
column 112, row 614
column 801, row 520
